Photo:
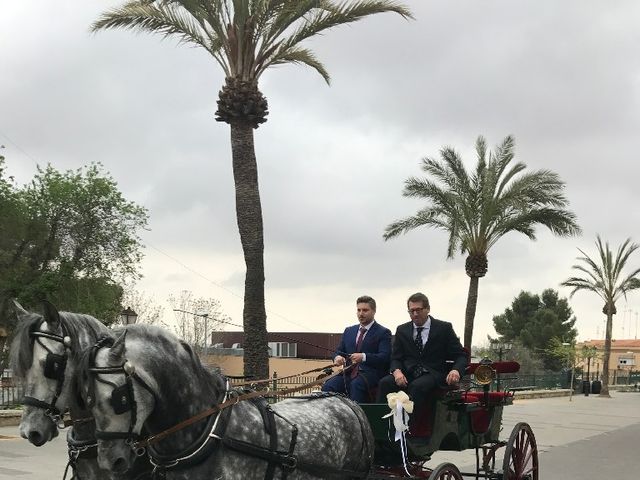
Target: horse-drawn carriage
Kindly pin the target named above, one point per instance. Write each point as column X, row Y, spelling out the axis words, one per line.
column 458, row 419
column 142, row 406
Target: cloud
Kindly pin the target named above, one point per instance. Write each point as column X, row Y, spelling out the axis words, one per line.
column 563, row 77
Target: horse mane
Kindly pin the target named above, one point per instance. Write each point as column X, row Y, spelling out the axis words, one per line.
column 75, row 323
column 21, row 352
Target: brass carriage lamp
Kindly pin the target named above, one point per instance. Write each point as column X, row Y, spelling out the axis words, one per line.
column 128, row 316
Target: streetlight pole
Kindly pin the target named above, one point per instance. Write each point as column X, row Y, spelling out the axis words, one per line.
column 500, row 348
column 569, row 357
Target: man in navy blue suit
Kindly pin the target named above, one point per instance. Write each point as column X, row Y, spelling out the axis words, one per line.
column 366, row 345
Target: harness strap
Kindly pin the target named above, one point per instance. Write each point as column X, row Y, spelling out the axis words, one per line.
column 35, row 334
column 284, row 459
column 34, row 402
column 290, row 462
column 226, row 404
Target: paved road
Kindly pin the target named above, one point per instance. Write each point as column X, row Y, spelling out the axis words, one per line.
column 590, row 437
column 585, row 435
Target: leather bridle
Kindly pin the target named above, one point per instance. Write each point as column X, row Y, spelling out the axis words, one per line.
column 122, row 398
column 54, row 369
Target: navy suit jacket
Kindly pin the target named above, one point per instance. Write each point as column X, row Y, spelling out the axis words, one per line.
column 442, row 345
column 376, row 345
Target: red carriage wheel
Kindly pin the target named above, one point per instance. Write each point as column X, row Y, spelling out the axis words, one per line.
column 446, row 471
column 521, row 454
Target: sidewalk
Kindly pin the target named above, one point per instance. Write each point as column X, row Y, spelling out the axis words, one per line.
column 557, row 421
column 10, row 417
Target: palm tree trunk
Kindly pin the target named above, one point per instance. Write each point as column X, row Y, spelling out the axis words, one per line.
column 470, row 313
column 607, row 353
column 249, row 217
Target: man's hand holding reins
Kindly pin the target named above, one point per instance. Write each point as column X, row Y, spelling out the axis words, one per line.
column 356, row 357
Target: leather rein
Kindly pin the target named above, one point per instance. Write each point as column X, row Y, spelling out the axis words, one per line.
column 150, row 440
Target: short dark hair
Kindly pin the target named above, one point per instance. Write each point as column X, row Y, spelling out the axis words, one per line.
column 367, row 299
column 419, row 297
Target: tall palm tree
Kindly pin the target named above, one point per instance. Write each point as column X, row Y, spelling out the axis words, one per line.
column 245, row 37
column 604, row 277
column 478, row 208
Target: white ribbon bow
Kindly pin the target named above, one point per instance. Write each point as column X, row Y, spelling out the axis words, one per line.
column 399, row 403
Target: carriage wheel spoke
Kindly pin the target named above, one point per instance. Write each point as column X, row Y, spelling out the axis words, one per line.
column 521, row 457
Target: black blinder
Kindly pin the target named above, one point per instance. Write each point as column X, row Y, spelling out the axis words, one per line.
column 54, row 366
column 121, row 400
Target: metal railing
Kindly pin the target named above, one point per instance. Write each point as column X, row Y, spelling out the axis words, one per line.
column 11, row 393
column 278, row 384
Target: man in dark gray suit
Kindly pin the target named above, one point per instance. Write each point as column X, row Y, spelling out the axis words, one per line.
column 420, row 352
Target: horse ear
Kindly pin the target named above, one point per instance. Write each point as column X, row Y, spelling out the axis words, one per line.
column 20, row 312
column 51, row 314
column 116, row 352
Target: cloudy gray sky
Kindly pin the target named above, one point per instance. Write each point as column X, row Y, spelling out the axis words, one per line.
column 563, row 77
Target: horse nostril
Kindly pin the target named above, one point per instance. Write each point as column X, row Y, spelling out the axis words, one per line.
column 36, row 438
column 120, row 465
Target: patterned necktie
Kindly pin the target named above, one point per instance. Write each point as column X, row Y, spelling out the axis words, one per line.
column 418, row 339
column 356, row 367
column 361, row 333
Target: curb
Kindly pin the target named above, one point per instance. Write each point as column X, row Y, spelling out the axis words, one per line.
column 527, row 394
column 10, row 418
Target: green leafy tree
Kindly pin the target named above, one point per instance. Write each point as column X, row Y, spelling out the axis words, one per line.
column 534, row 320
column 245, row 38
column 478, row 208
column 70, row 237
column 604, row 276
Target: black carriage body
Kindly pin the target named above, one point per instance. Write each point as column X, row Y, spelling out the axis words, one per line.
column 457, row 420
column 453, row 423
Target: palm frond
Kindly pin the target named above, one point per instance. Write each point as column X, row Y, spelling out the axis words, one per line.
column 165, row 18
column 304, row 56
column 604, row 276
column 330, row 14
column 425, row 217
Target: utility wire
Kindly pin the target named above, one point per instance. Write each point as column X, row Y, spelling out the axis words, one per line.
column 18, row 148
column 195, row 272
column 187, row 267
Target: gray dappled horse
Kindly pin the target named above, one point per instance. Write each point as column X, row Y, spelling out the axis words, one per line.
column 153, row 380
column 44, row 354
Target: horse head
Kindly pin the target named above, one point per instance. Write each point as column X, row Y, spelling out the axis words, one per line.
column 142, row 383
column 39, row 356
column 121, row 396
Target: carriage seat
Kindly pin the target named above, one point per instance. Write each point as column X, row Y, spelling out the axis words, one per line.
column 472, row 401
